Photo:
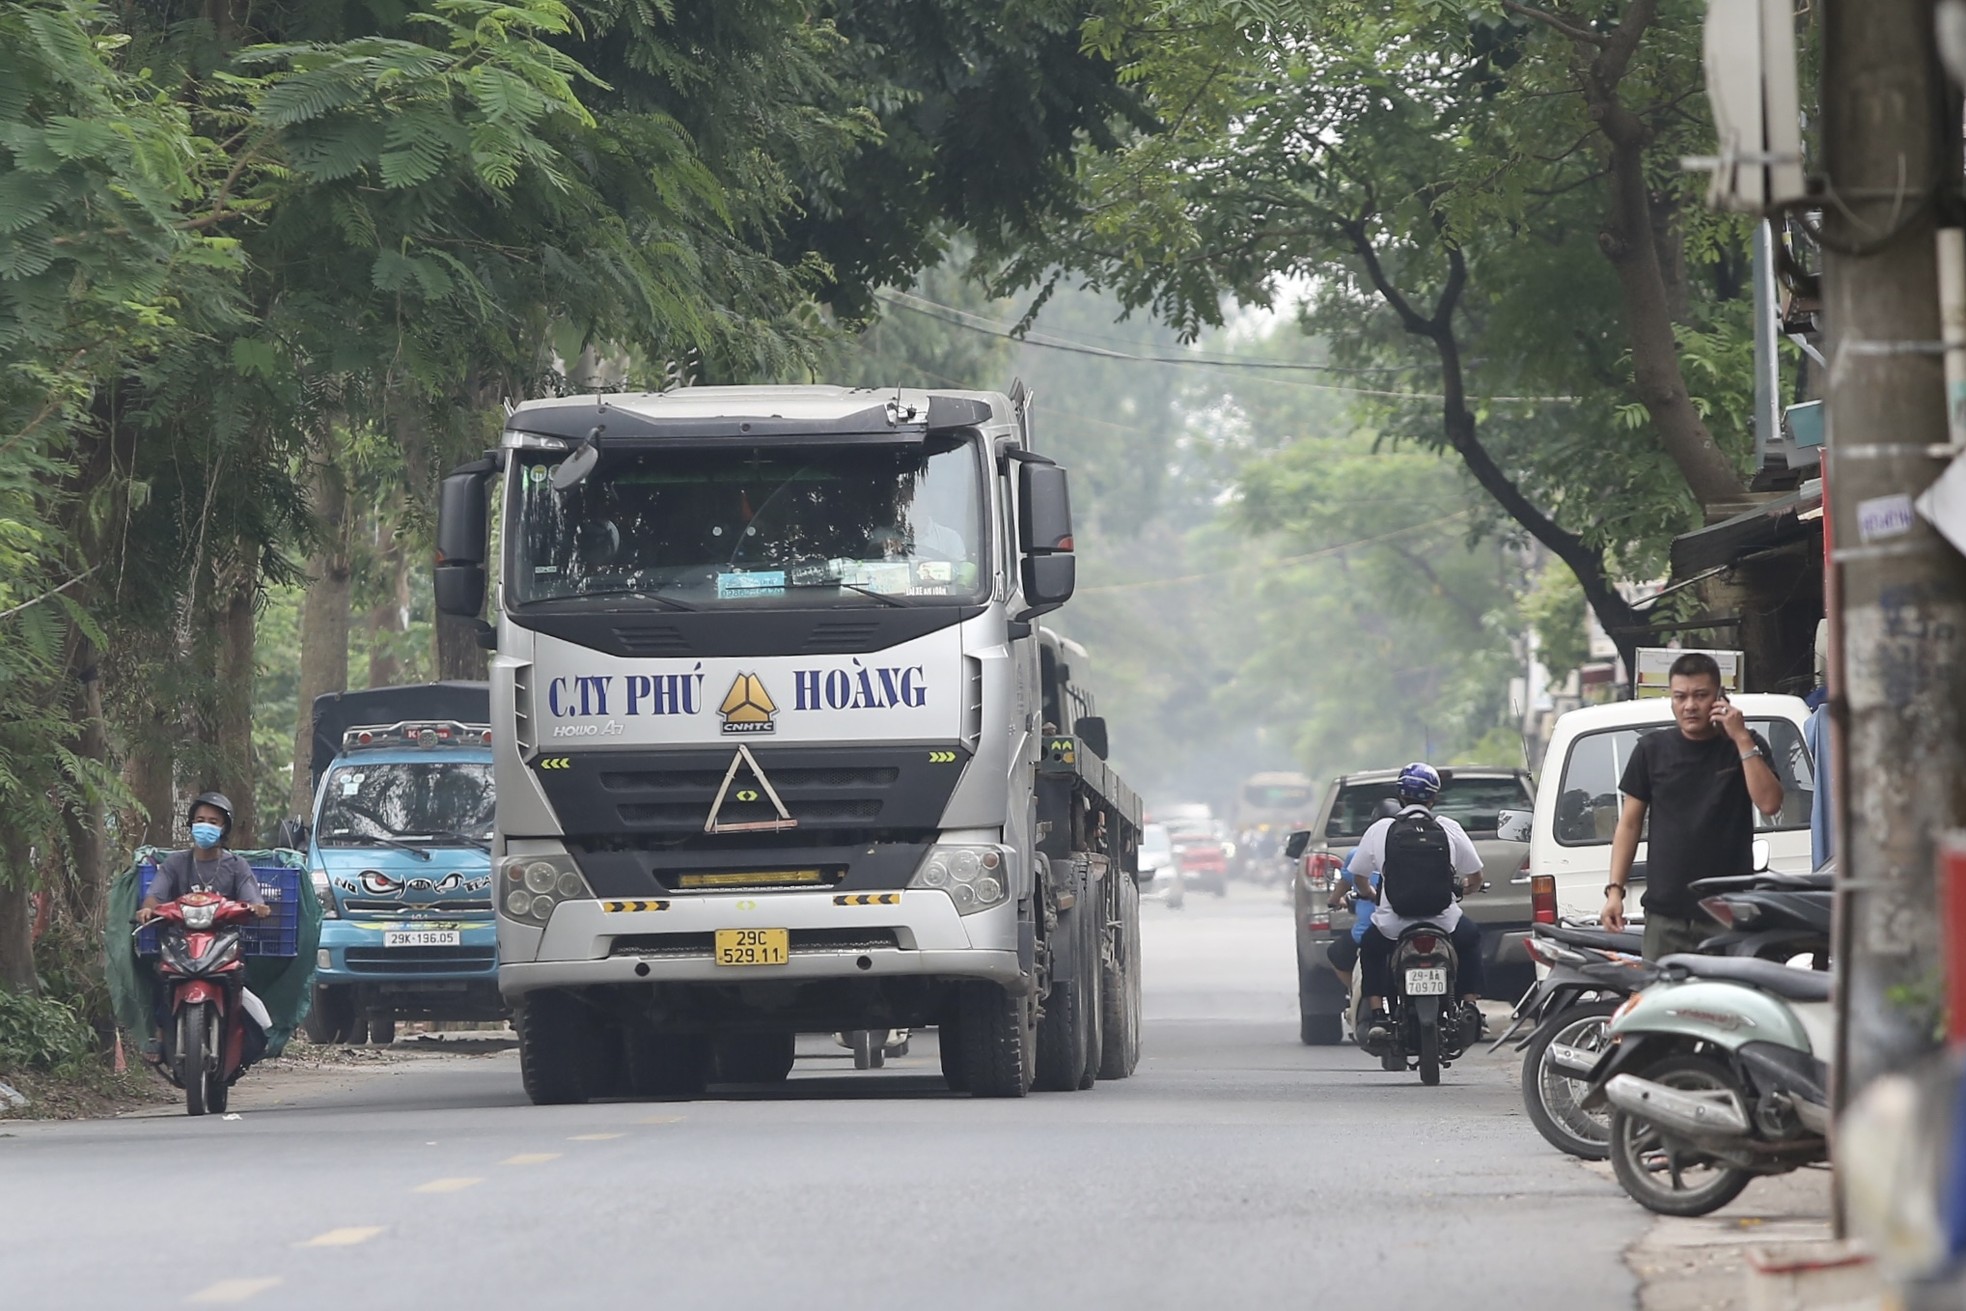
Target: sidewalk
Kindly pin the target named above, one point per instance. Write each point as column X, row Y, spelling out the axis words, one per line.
column 1702, row 1264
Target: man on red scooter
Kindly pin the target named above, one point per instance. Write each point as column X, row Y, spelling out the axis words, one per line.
column 206, row 867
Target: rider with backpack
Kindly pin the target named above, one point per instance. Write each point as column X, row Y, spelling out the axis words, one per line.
column 1424, row 862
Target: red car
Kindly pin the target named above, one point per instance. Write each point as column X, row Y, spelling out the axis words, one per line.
column 1201, row 858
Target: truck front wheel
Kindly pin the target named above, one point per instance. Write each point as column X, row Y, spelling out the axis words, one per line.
column 998, row 1036
column 555, row 1035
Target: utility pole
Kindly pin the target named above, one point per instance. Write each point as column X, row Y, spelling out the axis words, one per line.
column 1899, row 667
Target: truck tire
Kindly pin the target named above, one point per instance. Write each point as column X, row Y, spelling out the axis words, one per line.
column 1315, row 1030
column 866, row 1043
column 328, row 1016
column 755, row 1057
column 555, row 1034
column 666, row 1064
column 950, row 1047
column 1068, row 1032
column 1120, row 988
column 382, row 1030
column 998, row 1038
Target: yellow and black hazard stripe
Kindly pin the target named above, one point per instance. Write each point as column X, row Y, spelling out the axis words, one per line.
column 868, row 899
column 622, row 907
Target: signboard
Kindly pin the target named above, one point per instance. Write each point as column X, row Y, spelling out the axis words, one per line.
column 1654, row 661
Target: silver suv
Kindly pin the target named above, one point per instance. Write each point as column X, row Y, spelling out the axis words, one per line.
column 1473, row 795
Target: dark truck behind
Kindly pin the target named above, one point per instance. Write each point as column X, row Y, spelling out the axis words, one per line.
column 1474, row 796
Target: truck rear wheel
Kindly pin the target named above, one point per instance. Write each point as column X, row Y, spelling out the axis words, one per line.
column 1069, row 1046
column 998, row 1038
column 555, row 1032
column 1120, row 988
column 755, row 1057
column 666, row 1064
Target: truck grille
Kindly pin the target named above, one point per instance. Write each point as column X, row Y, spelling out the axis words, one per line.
column 673, row 946
column 462, row 906
column 419, row 960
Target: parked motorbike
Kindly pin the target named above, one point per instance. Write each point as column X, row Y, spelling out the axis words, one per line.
column 216, row 1027
column 1428, row 1029
column 1589, row 974
column 1719, row 1073
column 1775, row 919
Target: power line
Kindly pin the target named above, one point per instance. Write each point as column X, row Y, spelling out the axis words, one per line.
column 1318, row 554
column 962, row 318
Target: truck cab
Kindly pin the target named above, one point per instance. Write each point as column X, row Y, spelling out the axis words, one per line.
column 779, row 746
column 399, row 853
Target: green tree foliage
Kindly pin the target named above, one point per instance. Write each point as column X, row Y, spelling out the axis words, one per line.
column 1488, row 206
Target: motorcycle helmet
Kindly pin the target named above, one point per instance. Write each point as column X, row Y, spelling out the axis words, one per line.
column 1419, row 781
column 217, row 801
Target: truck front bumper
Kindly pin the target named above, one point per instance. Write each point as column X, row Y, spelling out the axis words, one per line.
column 915, row 934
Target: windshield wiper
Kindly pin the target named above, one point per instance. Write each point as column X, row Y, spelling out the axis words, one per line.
column 372, row 840
column 845, row 586
column 660, row 598
column 453, row 835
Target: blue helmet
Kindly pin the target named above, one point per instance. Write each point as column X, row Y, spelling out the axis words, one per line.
column 1419, row 781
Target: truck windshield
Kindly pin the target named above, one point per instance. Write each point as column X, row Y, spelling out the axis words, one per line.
column 756, row 526
column 426, row 802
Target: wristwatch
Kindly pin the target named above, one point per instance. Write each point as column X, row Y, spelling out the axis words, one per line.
column 1610, row 888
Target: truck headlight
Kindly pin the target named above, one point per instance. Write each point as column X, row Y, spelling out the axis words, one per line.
column 530, row 886
column 324, row 893
column 973, row 876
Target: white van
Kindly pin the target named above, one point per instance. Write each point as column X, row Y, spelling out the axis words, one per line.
column 1577, row 797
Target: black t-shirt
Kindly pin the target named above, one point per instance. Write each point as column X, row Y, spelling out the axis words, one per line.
column 1702, row 818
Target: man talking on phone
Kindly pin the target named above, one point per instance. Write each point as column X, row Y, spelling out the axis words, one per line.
column 1700, row 781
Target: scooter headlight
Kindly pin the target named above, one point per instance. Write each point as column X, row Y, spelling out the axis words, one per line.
column 198, row 916
column 972, row 875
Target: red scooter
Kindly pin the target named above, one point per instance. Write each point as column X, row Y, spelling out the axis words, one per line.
column 212, row 1035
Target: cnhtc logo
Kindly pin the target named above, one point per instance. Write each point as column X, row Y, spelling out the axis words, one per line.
column 747, row 707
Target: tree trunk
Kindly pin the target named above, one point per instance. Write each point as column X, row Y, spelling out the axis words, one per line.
column 323, row 622
column 151, row 775
column 233, row 703
column 389, row 618
column 88, row 843
column 16, row 914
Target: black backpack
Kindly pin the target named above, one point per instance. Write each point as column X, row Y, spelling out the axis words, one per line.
column 1418, row 873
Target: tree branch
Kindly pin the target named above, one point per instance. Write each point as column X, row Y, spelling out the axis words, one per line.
column 1552, row 21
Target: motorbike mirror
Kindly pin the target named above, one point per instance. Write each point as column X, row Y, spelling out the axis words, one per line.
column 1514, row 825
column 1760, row 855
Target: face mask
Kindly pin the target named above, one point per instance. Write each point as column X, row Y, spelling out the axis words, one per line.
column 206, row 835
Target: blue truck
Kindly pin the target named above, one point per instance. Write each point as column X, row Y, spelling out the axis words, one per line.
column 399, row 855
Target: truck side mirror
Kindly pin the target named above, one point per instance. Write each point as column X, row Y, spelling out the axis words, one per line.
column 292, row 834
column 463, row 535
column 1514, row 825
column 1295, row 845
column 1091, row 730
column 1044, row 530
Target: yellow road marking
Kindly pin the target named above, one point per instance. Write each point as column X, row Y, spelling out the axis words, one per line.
column 531, row 1158
column 592, row 1137
column 343, row 1237
column 445, row 1185
column 232, row 1290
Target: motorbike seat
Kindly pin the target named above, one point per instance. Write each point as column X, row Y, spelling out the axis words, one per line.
column 1782, row 980
column 1601, row 939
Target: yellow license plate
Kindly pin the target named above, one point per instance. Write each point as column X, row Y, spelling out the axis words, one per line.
column 753, row 946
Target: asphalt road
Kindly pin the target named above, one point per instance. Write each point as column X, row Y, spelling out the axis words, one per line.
column 1236, row 1169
